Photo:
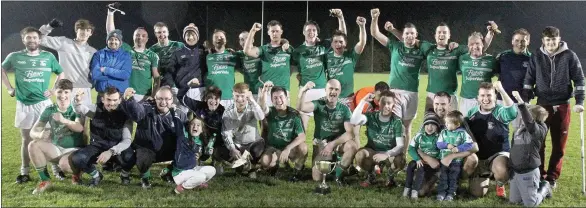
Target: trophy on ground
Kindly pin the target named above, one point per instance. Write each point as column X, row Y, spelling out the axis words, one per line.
column 325, row 168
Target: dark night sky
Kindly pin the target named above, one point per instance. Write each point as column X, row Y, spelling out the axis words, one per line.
column 233, row 17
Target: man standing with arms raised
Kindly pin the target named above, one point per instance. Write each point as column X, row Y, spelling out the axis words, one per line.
column 164, row 48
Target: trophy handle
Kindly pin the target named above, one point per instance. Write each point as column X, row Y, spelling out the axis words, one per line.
column 333, row 168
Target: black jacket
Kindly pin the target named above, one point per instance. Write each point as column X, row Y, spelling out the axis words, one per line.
column 106, row 127
column 186, row 64
column 185, row 154
column 152, row 129
column 553, row 76
column 526, row 143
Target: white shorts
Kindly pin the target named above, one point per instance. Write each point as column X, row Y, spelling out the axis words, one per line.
column 407, row 101
column 61, row 152
column 138, row 97
column 467, row 104
column 226, row 103
column 516, row 123
column 453, row 100
column 196, row 93
column 313, row 94
column 87, row 95
column 26, row 115
column 192, row 178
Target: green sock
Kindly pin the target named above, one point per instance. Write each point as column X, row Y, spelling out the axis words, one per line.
column 43, row 173
column 95, row 174
column 147, row 174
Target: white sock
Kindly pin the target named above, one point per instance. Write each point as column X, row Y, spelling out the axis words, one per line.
column 24, row 170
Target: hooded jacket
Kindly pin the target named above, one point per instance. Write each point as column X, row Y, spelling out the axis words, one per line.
column 526, row 143
column 185, row 64
column 552, row 75
column 118, row 66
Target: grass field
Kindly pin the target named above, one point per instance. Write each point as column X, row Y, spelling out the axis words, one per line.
column 234, row 190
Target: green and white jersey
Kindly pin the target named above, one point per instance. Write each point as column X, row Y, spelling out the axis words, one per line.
column 382, row 136
column 442, row 66
column 251, row 70
column 342, row 68
column 32, row 74
column 500, row 112
column 60, row 134
column 283, row 129
column 406, row 63
column 221, row 72
column 474, row 72
column 426, row 143
column 165, row 52
column 141, row 77
column 456, row 138
column 311, row 61
column 276, row 65
column 329, row 123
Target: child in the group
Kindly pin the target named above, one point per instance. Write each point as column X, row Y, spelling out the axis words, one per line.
column 453, row 139
column 426, row 141
column 186, row 173
column 525, row 159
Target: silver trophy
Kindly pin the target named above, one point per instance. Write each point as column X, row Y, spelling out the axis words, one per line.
column 324, row 167
column 114, row 7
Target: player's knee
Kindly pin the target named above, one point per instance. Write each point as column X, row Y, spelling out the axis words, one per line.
column 265, row 161
column 302, row 148
column 209, row 172
column 79, row 159
column 32, row 146
column 470, row 164
column 360, row 155
column 64, row 164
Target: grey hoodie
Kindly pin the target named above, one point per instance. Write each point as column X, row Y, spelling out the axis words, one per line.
column 526, row 143
column 552, row 75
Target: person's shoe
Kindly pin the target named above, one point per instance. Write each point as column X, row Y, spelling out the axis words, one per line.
column 501, row 192
column 166, row 175
column 20, row 179
column 60, row 175
column 203, row 186
column 449, row 197
column 390, row 183
column 370, row 179
column 545, row 189
column 95, row 181
column 124, row 180
column 553, row 184
column 406, row 192
column 44, row 185
column 440, row 197
column 76, row 179
column 296, row 175
column 414, row 194
column 352, row 171
column 378, row 170
column 341, row 182
column 273, row 171
column 219, row 168
column 179, row 189
column 108, row 166
column 252, row 174
column 144, row 183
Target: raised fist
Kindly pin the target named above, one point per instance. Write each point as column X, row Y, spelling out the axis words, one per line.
column 256, row 27
column 55, row 23
column 336, row 13
column 360, row 21
column 128, row 93
column 389, row 26
column 374, row 13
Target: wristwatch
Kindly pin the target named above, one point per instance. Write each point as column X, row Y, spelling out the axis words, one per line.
column 112, row 151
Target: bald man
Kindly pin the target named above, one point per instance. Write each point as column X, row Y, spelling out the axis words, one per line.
column 333, row 130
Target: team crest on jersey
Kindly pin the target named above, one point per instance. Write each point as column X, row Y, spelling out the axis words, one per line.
column 490, row 125
column 21, row 62
column 483, row 63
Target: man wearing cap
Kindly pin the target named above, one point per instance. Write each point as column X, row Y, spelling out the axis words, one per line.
column 111, row 66
column 188, row 67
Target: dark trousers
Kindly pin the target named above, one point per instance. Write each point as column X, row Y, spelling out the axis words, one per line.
column 417, row 175
column 145, row 157
column 84, row 159
column 448, row 181
column 558, row 122
column 255, row 148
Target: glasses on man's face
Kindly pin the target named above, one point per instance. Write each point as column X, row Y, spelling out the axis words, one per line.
column 163, row 99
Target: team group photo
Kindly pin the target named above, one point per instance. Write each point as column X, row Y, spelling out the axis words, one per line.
column 293, row 103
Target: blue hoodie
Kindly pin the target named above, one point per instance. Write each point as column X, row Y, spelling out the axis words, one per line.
column 118, row 66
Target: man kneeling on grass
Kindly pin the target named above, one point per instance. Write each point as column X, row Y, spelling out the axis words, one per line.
column 64, row 137
column 286, row 136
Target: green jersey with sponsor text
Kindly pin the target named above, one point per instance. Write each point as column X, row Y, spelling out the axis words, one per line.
column 165, row 52
column 32, row 74
column 474, row 72
column 382, row 135
column 329, row 123
column 342, row 69
column 276, row 65
column 311, row 61
column 141, row 77
column 442, row 66
column 221, row 72
column 251, row 69
column 406, row 63
column 60, row 134
column 283, row 129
